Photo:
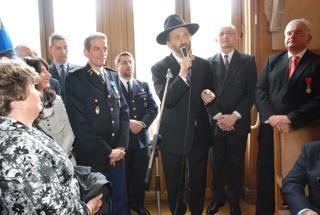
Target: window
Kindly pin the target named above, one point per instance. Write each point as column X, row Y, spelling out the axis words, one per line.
column 81, row 22
column 210, row 15
column 149, row 17
column 22, row 24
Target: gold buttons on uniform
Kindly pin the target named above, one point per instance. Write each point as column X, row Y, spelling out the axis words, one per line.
column 134, row 108
column 111, row 109
column 132, row 101
column 109, row 96
column 112, row 122
column 113, row 134
column 135, row 117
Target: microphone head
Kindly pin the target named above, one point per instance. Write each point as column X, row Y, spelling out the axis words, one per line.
column 184, row 51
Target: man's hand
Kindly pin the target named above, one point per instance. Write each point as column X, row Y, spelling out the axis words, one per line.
column 226, row 122
column 186, row 63
column 309, row 212
column 282, row 122
column 135, row 126
column 116, row 155
column 207, row 96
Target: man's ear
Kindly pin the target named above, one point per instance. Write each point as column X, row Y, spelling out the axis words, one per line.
column 169, row 45
column 85, row 52
column 16, row 104
column 50, row 49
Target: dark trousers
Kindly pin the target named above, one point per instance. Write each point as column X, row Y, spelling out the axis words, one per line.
column 119, row 190
column 136, row 169
column 265, row 172
column 174, row 171
column 227, row 156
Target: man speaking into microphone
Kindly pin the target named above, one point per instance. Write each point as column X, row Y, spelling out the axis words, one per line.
column 185, row 128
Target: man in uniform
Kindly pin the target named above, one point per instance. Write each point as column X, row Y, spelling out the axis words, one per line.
column 99, row 117
column 185, row 128
column 143, row 110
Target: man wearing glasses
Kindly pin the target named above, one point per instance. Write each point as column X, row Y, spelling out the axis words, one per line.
column 235, row 77
column 185, row 128
column 143, row 110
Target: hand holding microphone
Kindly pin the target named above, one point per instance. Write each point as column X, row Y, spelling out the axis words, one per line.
column 186, row 63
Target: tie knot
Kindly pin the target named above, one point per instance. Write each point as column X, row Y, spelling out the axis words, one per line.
column 294, row 58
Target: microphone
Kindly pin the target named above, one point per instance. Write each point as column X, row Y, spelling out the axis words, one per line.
column 184, row 54
column 184, row 51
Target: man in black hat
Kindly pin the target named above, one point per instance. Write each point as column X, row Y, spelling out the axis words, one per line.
column 185, row 128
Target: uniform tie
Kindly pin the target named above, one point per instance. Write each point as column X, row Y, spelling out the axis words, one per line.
column 226, row 63
column 129, row 88
column 293, row 65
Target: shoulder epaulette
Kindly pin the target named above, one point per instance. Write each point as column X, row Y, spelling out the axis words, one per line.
column 75, row 69
column 112, row 70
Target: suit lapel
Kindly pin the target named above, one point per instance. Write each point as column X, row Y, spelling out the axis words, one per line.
column 175, row 67
column 234, row 67
column 135, row 88
column 305, row 61
column 93, row 78
column 54, row 72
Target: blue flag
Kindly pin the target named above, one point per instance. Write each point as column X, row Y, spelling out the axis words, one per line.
column 5, row 42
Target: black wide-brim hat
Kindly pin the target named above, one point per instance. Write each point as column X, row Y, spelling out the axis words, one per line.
column 172, row 22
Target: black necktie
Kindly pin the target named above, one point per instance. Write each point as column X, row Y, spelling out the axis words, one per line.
column 129, row 88
column 226, row 63
column 62, row 77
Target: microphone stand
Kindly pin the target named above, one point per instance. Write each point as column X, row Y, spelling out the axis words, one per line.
column 154, row 147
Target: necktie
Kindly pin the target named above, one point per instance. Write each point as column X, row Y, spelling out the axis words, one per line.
column 101, row 75
column 226, row 63
column 293, row 65
column 62, row 77
column 129, row 88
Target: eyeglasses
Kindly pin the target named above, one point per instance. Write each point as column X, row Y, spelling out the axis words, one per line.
column 178, row 37
column 126, row 63
column 229, row 33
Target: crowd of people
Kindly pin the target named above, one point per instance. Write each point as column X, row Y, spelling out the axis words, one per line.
column 53, row 117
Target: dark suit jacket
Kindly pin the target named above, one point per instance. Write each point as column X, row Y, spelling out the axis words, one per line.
column 305, row 171
column 54, row 72
column 99, row 117
column 175, row 118
column 275, row 95
column 142, row 107
column 234, row 90
column 54, row 85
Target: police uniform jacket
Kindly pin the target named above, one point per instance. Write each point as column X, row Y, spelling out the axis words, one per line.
column 99, row 116
column 143, row 108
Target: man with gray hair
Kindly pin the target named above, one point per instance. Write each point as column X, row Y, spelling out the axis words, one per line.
column 58, row 47
column 99, row 117
column 287, row 95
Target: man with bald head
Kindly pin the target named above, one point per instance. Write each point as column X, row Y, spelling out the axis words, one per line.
column 287, row 96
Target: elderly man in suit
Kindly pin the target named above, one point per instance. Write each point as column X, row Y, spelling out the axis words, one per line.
column 235, row 77
column 306, row 171
column 58, row 47
column 143, row 110
column 287, row 94
column 185, row 128
column 99, row 117
column 23, row 51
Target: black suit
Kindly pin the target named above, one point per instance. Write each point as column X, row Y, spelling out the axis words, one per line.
column 235, row 92
column 275, row 95
column 181, row 137
column 55, row 74
column 143, row 108
column 305, row 172
column 54, row 85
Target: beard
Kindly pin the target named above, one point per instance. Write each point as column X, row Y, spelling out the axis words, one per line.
column 177, row 49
